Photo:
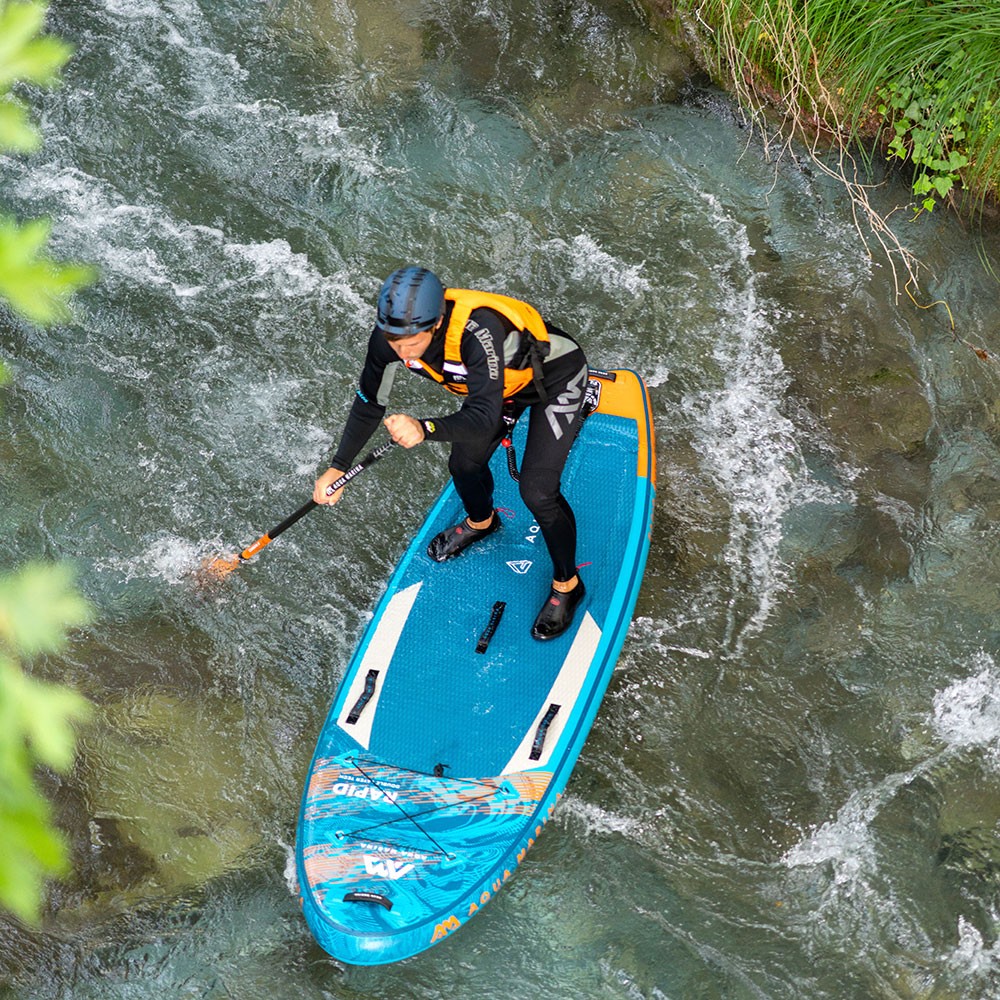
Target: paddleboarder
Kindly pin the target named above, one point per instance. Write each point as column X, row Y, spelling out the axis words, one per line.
column 493, row 352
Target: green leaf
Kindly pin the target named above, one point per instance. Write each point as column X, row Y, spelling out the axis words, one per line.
column 22, row 55
column 34, row 284
column 36, row 727
column 20, row 888
column 38, row 62
column 27, row 831
column 943, row 185
column 16, row 131
column 32, row 850
column 48, row 712
column 37, row 605
column 896, row 148
column 19, row 23
column 901, row 97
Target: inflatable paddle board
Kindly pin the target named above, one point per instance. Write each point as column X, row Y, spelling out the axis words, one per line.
column 453, row 732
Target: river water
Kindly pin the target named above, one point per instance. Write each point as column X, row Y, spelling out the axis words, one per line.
column 793, row 786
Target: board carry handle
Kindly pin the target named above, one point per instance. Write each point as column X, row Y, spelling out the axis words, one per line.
column 541, row 732
column 364, row 896
column 364, row 698
column 491, row 626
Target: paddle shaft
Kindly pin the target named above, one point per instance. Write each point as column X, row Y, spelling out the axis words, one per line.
column 251, row 550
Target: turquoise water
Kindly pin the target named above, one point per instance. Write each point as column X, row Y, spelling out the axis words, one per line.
column 793, row 786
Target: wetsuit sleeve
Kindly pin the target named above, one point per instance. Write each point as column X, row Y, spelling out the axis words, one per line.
column 482, row 355
column 368, row 407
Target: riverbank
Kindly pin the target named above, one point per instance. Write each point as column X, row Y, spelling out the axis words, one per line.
column 908, row 81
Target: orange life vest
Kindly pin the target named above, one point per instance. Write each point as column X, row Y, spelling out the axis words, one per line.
column 526, row 320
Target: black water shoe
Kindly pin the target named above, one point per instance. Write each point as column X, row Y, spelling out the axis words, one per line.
column 557, row 612
column 452, row 541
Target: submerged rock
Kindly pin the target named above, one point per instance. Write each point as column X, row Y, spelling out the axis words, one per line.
column 165, row 782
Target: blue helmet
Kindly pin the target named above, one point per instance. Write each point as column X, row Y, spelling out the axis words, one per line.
column 411, row 301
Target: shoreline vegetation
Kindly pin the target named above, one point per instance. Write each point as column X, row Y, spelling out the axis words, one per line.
column 914, row 82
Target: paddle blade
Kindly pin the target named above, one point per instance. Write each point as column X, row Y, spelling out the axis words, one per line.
column 218, row 568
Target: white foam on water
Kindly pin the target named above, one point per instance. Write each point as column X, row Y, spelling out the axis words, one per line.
column 701, row 654
column 337, row 288
column 211, row 75
column 308, row 450
column 748, row 446
column 290, row 874
column 594, row 821
column 105, row 230
column 845, row 843
column 972, row 958
column 168, row 558
column 278, row 267
column 845, row 858
column 144, row 246
column 321, row 138
column 172, row 558
column 656, row 372
column 649, row 633
column 967, row 712
column 964, row 714
column 204, row 57
column 134, row 9
column 121, row 365
column 591, row 263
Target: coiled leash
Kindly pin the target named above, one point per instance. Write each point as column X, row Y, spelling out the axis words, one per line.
column 590, row 403
column 509, row 420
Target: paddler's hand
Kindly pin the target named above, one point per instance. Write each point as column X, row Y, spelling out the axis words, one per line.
column 404, row 430
column 319, row 490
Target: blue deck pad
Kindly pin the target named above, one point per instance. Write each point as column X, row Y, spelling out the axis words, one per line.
column 469, row 711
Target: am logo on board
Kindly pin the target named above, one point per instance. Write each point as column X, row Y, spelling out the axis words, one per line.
column 520, row 566
column 386, row 868
column 446, row 927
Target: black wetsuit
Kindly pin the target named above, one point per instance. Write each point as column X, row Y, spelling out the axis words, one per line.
column 477, row 428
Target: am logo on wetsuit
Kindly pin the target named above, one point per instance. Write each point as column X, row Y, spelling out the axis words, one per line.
column 486, row 349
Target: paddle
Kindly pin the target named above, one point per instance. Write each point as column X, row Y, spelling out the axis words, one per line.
column 221, row 566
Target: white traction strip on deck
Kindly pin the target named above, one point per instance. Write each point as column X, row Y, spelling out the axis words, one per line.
column 564, row 692
column 377, row 656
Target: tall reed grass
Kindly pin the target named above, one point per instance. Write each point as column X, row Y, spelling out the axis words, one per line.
column 916, row 79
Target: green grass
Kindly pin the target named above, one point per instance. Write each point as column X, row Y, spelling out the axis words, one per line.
column 919, row 77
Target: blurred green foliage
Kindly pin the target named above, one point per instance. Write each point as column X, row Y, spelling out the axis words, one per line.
column 39, row 603
column 38, row 287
